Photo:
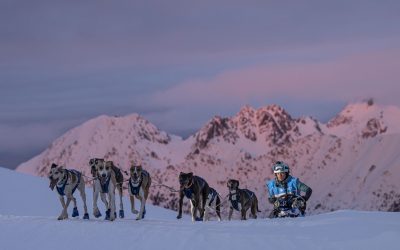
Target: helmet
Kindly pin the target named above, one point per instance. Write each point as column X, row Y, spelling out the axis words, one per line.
column 280, row 167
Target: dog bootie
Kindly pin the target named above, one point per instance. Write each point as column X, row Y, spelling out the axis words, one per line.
column 144, row 212
column 199, row 219
column 97, row 214
column 115, row 214
column 86, row 216
column 75, row 212
column 107, row 214
column 121, row 214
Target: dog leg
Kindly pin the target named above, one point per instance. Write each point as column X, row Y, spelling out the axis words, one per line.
column 83, row 196
column 75, row 212
column 64, row 214
column 254, row 210
column 96, row 211
column 243, row 212
column 104, row 200
column 112, row 204
column 193, row 210
column 230, row 213
column 218, row 207
column 133, row 210
column 121, row 204
column 205, row 216
column 181, row 195
column 142, row 203
column 66, row 207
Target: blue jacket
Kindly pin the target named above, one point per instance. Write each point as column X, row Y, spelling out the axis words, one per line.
column 277, row 189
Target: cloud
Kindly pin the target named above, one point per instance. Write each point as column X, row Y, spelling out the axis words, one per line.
column 347, row 78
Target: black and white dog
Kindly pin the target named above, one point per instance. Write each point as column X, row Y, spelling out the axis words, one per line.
column 109, row 178
column 196, row 190
column 241, row 200
column 66, row 182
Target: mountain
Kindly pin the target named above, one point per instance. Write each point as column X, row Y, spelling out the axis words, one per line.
column 351, row 162
column 31, row 223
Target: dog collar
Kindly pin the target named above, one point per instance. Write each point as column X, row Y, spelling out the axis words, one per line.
column 188, row 186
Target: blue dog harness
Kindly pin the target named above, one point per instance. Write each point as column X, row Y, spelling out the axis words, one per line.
column 235, row 202
column 104, row 186
column 134, row 190
column 61, row 189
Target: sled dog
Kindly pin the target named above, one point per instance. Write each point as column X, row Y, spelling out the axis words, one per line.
column 241, row 200
column 196, row 189
column 66, row 182
column 109, row 178
column 139, row 185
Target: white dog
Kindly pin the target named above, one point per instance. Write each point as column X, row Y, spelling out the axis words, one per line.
column 67, row 181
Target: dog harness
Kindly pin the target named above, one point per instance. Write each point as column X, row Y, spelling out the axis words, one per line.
column 104, row 186
column 135, row 187
column 213, row 193
column 61, row 189
column 188, row 191
column 234, row 198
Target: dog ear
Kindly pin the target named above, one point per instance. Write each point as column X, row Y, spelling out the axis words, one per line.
column 237, row 182
column 53, row 165
column 190, row 174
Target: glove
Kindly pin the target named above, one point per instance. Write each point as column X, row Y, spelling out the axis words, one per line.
column 298, row 203
column 277, row 204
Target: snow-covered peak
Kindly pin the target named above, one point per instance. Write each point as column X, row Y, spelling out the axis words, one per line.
column 366, row 120
column 123, row 140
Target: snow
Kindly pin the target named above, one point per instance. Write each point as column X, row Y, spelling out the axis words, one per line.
column 28, row 212
column 360, row 113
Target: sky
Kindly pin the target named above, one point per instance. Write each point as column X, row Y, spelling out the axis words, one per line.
column 179, row 63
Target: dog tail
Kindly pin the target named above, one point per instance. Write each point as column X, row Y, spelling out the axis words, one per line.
column 258, row 210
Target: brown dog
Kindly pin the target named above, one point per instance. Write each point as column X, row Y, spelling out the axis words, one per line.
column 66, row 182
column 139, row 186
column 241, row 200
column 196, row 189
column 110, row 178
